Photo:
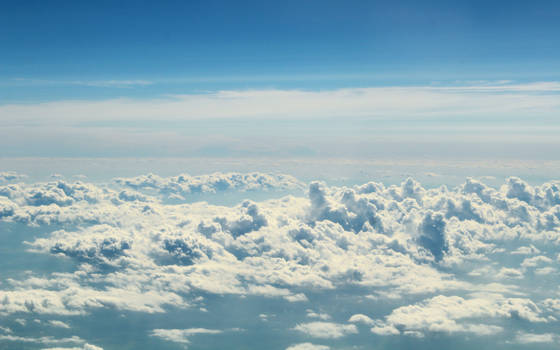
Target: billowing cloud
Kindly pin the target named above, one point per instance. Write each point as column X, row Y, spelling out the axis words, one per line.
column 9, row 176
column 457, row 262
column 449, row 314
column 327, row 330
column 181, row 335
column 532, row 338
column 185, row 184
column 361, row 318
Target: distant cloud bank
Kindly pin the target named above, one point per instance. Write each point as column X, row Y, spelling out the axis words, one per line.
column 488, row 100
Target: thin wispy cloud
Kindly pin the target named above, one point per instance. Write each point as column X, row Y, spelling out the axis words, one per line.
column 532, row 100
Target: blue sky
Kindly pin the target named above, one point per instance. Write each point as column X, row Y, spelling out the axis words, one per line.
column 91, row 50
column 283, row 79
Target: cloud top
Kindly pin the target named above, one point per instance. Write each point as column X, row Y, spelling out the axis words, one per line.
column 457, row 262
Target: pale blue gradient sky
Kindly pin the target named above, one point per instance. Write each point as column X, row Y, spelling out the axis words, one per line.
column 96, row 50
column 357, row 79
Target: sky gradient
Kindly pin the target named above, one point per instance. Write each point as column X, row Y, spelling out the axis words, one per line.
column 359, row 79
column 94, row 50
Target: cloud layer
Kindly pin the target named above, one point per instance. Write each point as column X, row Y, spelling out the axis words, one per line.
column 473, row 120
column 382, row 102
column 450, row 261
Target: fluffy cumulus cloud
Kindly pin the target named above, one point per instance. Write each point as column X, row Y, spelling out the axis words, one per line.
column 447, row 314
column 361, row 318
column 328, row 330
column 181, row 335
column 11, row 176
column 532, row 338
column 455, row 261
column 185, row 184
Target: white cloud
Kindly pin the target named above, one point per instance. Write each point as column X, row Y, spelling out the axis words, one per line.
column 531, row 338
column 134, row 127
column 84, row 347
column 361, row 318
column 41, row 340
column 545, row 271
column 10, row 176
column 353, row 102
column 181, row 335
column 327, row 330
column 307, row 346
column 530, row 250
column 450, row 315
column 294, row 298
column 552, row 304
column 320, row 241
column 390, row 245
column 71, row 298
column 59, row 324
column 384, row 329
column 265, row 317
column 318, row 315
column 506, row 273
column 536, row 261
column 185, row 184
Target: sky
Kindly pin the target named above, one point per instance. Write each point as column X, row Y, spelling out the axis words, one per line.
column 283, row 175
column 441, row 79
column 90, row 50
column 195, row 79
